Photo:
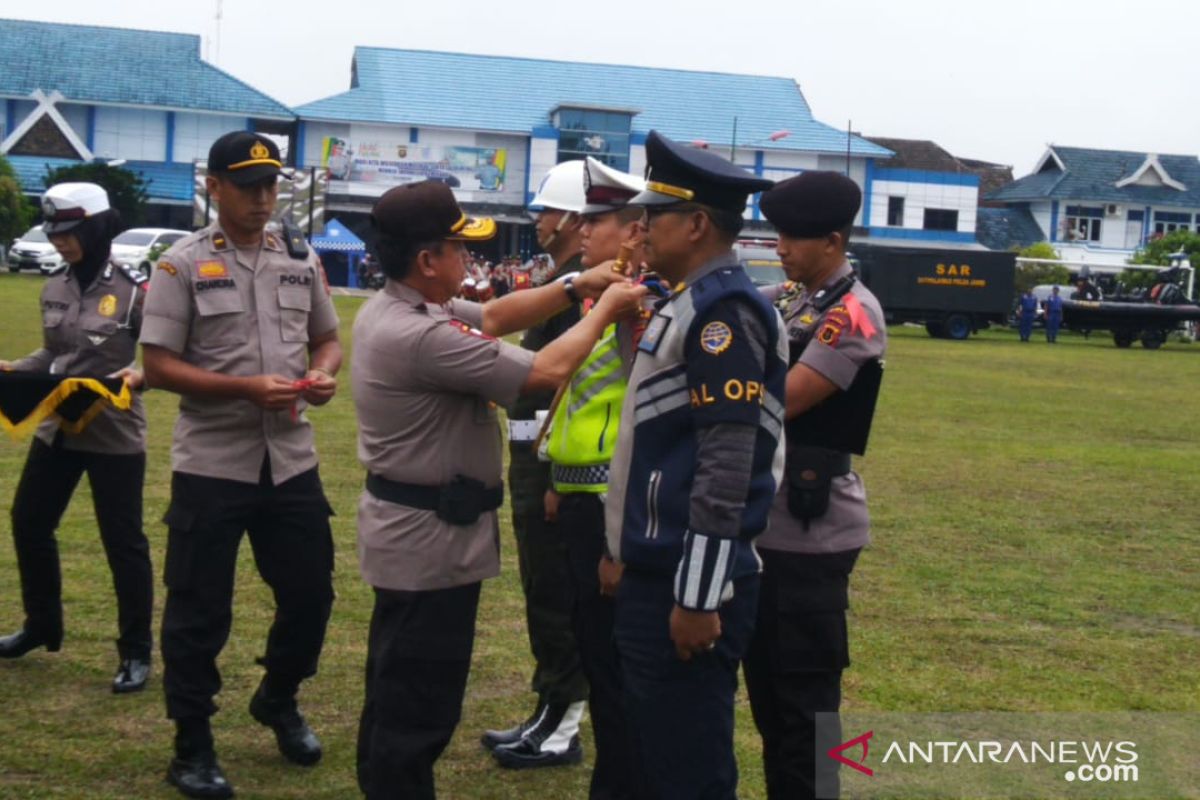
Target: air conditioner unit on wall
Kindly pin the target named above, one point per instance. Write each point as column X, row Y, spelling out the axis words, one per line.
column 1112, row 209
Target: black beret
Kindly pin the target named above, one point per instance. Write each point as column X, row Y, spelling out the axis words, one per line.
column 678, row 173
column 812, row 204
column 426, row 212
column 245, row 157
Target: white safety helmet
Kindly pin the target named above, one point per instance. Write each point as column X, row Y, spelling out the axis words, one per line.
column 65, row 205
column 561, row 189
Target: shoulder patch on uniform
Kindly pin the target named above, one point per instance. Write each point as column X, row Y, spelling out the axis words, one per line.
column 715, row 338
column 167, row 267
column 834, row 323
column 459, row 325
column 133, row 274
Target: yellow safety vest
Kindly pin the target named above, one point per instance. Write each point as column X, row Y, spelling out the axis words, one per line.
column 583, row 432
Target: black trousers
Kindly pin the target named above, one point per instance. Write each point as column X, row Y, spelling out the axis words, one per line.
column 617, row 773
column 542, row 558
column 47, row 483
column 289, row 531
column 794, row 668
column 681, row 712
column 418, row 658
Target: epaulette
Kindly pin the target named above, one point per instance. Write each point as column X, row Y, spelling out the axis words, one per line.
column 133, row 274
column 60, row 268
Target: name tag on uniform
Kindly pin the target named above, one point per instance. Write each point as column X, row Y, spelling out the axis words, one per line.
column 654, row 333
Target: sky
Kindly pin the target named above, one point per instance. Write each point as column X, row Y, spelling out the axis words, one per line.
column 990, row 80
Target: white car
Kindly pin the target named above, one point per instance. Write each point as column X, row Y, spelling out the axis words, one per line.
column 33, row 251
column 135, row 246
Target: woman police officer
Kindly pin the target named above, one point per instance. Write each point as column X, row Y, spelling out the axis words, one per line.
column 91, row 312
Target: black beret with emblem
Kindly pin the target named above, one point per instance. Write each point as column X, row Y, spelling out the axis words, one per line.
column 679, row 173
column 426, row 212
column 812, row 204
column 244, row 157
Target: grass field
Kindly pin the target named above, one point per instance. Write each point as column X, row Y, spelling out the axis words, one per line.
column 1036, row 547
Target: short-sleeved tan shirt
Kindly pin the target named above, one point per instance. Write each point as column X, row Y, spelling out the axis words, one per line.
column 837, row 347
column 92, row 333
column 239, row 313
column 426, row 386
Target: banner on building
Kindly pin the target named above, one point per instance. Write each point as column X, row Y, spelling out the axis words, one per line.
column 378, row 165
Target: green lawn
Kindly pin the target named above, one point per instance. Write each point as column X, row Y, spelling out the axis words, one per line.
column 1037, row 547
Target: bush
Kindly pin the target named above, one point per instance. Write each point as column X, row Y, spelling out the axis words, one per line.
column 1158, row 251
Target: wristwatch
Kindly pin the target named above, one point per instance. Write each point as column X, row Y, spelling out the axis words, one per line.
column 568, row 284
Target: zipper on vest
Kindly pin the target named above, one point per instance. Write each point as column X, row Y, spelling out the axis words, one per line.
column 652, row 504
column 604, row 430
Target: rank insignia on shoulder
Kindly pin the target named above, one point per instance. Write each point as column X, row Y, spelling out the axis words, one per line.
column 168, row 268
column 458, row 324
column 219, row 241
column 134, row 275
column 806, row 319
column 716, row 338
column 653, row 334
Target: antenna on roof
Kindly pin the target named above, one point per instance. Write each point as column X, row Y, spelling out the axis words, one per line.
column 849, row 127
column 217, row 17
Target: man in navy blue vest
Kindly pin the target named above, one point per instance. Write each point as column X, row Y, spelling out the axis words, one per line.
column 698, row 459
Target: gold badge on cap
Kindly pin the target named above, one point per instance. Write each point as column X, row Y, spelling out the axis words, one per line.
column 259, row 150
column 108, row 305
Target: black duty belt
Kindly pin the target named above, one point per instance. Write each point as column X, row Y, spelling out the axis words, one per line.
column 839, row 464
column 432, row 498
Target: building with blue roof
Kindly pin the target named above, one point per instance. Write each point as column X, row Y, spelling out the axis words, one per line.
column 1099, row 206
column 146, row 99
column 492, row 126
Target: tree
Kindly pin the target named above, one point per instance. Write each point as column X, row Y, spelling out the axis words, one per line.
column 1158, row 251
column 16, row 214
column 1030, row 275
column 126, row 190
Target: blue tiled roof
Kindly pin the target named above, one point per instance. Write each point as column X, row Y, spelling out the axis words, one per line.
column 1092, row 175
column 1005, row 228
column 128, row 67
column 497, row 93
column 163, row 181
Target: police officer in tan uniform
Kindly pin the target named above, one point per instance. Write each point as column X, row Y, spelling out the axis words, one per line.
column 239, row 322
column 91, row 312
column 818, row 522
column 428, row 376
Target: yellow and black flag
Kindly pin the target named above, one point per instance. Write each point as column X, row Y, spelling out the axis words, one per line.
column 27, row 398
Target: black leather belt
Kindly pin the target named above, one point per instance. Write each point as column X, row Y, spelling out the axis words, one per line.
column 839, row 464
column 427, row 497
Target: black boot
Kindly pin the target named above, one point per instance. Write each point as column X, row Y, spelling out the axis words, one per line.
column 493, row 739
column 552, row 741
column 24, row 640
column 199, row 775
column 296, row 740
column 131, row 675
column 194, row 771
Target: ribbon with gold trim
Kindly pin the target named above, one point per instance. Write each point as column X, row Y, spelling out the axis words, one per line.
column 28, row 398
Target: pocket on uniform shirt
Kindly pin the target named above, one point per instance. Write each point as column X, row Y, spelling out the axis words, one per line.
column 295, row 303
column 52, row 322
column 219, row 314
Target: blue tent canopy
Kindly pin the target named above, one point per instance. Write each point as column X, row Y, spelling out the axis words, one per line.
column 338, row 238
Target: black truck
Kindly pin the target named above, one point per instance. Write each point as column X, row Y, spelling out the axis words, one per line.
column 952, row 291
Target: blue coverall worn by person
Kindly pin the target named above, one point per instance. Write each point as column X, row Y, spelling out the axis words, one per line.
column 1054, row 311
column 1028, row 313
column 693, row 475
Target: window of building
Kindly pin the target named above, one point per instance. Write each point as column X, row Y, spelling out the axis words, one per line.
column 1082, row 223
column 895, row 212
column 941, row 219
column 603, row 135
column 1169, row 221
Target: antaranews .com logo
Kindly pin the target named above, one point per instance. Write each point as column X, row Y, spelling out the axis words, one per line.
column 1117, row 755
